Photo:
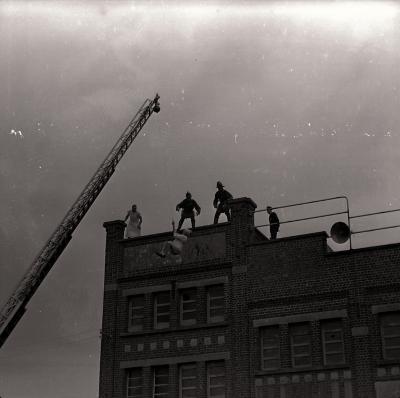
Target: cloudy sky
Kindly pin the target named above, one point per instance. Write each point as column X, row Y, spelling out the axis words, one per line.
column 283, row 102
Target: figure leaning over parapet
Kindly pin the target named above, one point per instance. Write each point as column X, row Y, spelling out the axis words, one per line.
column 188, row 205
column 273, row 223
column 220, row 202
column 133, row 229
column 175, row 246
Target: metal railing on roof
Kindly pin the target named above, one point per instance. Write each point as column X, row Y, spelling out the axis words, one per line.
column 346, row 212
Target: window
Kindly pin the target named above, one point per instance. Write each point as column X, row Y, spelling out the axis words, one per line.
column 160, row 381
column 188, row 381
column 300, row 343
column 390, row 333
column 162, row 305
column 188, row 310
column 332, row 342
column 216, row 303
column 216, row 379
column 136, row 313
column 270, row 348
column 134, row 383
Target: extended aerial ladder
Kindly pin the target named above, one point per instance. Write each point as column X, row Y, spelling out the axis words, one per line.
column 15, row 306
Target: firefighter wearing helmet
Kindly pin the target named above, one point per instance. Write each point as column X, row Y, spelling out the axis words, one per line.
column 220, row 202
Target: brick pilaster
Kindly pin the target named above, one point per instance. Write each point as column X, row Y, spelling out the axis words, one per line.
column 113, row 267
column 242, row 224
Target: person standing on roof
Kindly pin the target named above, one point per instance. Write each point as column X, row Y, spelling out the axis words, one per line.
column 220, row 202
column 133, row 229
column 273, row 222
column 188, row 205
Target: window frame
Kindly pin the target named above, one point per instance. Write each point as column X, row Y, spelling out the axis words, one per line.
column 181, row 388
column 131, row 312
column 324, row 341
column 263, row 331
column 293, row 345
column 384, row 337
column 161, row 325
column 155, row 369
column 191, row 321
column 129, row 378
column 209, row 376
column 217, row 318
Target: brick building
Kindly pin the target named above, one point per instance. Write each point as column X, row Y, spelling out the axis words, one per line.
column 243, row 316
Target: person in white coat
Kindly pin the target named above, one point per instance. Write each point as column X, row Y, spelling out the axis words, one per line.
column 133, row 228
column 175, row 246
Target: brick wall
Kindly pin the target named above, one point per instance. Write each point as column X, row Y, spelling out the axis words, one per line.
column 287, row 280
column 115, row 232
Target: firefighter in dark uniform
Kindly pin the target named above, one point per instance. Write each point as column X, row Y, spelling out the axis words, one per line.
column 273, row 222
column 188, row 206
column 220, row 202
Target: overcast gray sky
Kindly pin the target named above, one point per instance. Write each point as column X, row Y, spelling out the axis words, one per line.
column 283, row 102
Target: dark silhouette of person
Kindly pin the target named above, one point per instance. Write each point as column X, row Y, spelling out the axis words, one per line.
column 220, row 202
column 188, row 205
column 273, row 222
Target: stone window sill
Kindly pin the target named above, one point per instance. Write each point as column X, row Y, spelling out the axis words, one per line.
column 385, row 362
column 283, row 371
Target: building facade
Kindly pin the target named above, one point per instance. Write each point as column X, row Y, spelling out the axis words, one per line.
column 243, row 316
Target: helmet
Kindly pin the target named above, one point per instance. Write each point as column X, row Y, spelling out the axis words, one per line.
column 219, row 184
